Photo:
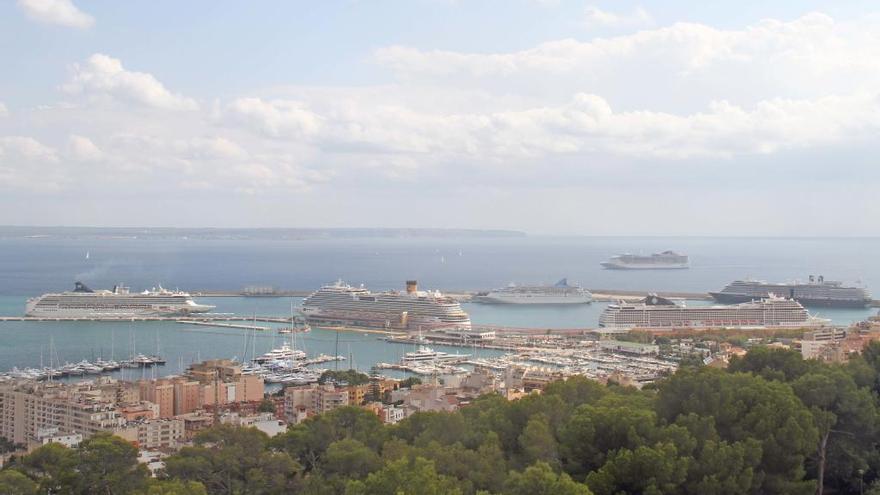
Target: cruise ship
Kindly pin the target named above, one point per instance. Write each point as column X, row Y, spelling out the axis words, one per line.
column 667, row 260
column 659, row 312
column 83, row 302
column 559, row 293
column 341, row 304
column 816, row 292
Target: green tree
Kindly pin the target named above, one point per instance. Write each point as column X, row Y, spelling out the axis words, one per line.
column 349, row 458
column 228, row 459
column 772, row 363
column 13, row 482
column 846, row 418
column 266, row 406
column 540, row 479
column 54, row 468
column 309, row 440
column 108, row 464
column 351, row 377
column 744, row 406
column 645, row 470
column 538, row 442
column 596, row 430
column 174, row 487
column 405, row 477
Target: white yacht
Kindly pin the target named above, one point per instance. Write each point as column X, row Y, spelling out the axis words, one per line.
column 559, row 293
column 283, row 353
column 426, row 354
column 83, row 302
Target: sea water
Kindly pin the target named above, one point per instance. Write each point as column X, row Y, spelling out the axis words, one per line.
column 32, row 266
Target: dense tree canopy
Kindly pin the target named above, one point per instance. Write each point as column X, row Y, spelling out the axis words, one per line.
column 769, row 424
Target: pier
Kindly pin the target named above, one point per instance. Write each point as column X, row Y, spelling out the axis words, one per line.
column 223, row 325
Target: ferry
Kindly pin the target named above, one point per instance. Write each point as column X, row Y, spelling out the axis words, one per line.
column 658, row 312
column 83, row 302
column 816, row 292
column 667, row 260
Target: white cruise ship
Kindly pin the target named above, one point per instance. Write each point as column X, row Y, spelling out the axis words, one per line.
column 659, row 312
column 667, row 260
column 83, row 302
column 560, row 293
column 343, row 305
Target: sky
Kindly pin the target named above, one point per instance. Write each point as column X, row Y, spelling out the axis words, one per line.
column 547, row 116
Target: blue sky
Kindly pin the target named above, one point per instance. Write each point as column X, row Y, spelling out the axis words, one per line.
column 558, row 117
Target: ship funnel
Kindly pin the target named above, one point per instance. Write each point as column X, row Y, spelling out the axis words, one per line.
column 411, row 286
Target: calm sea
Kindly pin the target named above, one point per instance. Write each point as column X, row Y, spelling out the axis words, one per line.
column 32, row 266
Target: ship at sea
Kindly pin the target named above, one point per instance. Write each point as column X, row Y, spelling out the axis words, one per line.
column 120, row 302
column 559, row 293
column 816, row 292
column 667, row 260
column 658, row 312
column 341, row 304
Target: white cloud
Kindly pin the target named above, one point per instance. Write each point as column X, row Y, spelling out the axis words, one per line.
column 679, row 67
column 27, row 164
column 61, row 12
column 25, row 147
column 276, row 118
column 609, row 113
column 596, row 17
column 104, row 76
column 3, row 110
column 83, row 149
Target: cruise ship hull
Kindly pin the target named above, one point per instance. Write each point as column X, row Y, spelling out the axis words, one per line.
column 732, row 298
column 115, row 313
column 505, row 299
column 620, row 266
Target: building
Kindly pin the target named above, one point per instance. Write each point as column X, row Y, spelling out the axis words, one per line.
column 160, row 433
column 393, row 414
column 27, row 408
column 633, row 348
column 424, row 398
column 53, row 435
column 222, row 382
column 835, row 344
column 265, row 422
column 316, row 399
column 159, row 392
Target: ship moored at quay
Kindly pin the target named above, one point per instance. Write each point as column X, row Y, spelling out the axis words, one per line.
column 656, row 312
column 120, row 302
column 341, row 304
column 559, row 293
column 816, row 292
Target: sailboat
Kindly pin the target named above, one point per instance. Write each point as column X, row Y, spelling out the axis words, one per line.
column 297, row 325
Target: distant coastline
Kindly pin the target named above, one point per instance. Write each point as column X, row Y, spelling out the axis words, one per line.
column 25, row 232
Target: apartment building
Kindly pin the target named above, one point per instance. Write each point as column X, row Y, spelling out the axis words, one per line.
column 27, row 408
